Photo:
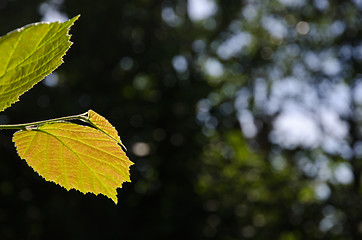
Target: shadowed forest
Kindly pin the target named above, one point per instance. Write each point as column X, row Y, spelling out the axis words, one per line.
column 243, row 119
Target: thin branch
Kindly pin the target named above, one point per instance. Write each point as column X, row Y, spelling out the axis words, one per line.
column 24, row 126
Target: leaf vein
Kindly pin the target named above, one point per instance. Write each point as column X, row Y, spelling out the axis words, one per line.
column 75, row 154
column 55, row 37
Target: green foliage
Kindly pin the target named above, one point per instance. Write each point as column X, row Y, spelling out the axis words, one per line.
column 28, row 54
column 87, row 158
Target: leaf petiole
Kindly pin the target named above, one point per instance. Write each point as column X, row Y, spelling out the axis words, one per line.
column 28, row 126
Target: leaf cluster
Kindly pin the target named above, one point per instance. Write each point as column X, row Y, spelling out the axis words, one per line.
column 87, row 158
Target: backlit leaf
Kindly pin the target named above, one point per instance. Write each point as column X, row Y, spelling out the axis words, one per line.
column 75, row 156
column 102, row 124
column 29, row 54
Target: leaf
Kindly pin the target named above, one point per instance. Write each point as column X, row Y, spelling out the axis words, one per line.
column 102, row 124
column 29, row 54
column 75, row 156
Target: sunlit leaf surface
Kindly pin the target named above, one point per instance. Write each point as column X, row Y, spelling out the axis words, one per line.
column 102, row 124
column 29, row 54
column 75, row 156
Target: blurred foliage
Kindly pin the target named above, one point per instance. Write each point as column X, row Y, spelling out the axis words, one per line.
column 243, row 123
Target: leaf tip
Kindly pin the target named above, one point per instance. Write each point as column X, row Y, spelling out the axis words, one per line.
column 73, row 19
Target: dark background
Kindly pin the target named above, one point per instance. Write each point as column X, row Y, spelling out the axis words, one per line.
column 209, row 161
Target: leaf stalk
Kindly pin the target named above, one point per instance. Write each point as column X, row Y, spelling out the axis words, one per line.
column 26, row 126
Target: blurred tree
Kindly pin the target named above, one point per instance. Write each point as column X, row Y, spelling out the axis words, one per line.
column 243, row 119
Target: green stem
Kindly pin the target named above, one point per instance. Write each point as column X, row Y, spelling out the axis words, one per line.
column 24, row 126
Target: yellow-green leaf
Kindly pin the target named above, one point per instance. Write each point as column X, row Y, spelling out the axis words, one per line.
column 29, row 54
column 102, row 124
column 75, row 156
